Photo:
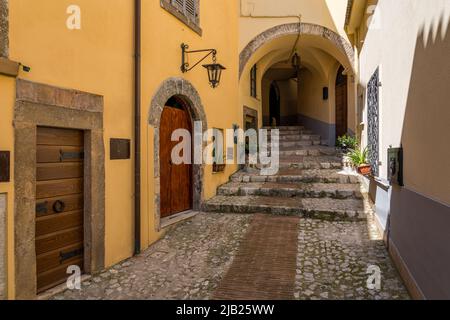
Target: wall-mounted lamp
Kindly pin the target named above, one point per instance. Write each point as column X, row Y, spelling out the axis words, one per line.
column 296, row 61
column 214, row 69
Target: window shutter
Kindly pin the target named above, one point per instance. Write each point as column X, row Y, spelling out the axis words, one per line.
column 186, row 7
column 179, row 4
column 190, row 8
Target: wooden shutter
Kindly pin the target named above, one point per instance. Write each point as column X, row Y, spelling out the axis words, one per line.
column 191, row 9
column 187, row 7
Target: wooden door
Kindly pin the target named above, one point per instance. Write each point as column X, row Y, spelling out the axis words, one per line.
column 59, row 204
column 175, row 180
column 341, row 107
column 274, row 104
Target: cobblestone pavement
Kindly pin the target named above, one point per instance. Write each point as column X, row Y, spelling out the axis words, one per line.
column 188, row 263
column 334, row 260
column 193, row 257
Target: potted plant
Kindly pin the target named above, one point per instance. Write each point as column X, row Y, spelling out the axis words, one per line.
column 359, row 159
column 346, row 143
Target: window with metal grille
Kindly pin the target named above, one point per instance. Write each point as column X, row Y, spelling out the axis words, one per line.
column 253, row 81
column 189, row 8
column 373, row 119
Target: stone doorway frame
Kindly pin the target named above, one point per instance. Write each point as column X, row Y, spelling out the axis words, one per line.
column 43, row 105
column 186, row 91
column 249, row 112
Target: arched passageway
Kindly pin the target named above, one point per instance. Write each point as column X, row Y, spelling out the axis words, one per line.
column 306, row 93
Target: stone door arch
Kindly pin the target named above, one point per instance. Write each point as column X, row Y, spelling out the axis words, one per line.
column 183, row 89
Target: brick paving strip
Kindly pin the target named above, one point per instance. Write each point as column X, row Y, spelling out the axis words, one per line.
column 264, row 266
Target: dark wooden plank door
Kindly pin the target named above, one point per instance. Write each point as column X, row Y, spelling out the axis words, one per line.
column 59, row 204
column 175, row 180
column 341, row 109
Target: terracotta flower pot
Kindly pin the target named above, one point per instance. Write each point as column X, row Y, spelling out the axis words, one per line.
column 365, row 169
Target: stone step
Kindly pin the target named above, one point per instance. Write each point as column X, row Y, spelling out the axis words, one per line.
column 305, row 151
column 312, row 162
column 309, row 165
column 309, row 162
column 289, row 190
column 299, row 143
column 295, row 132
column 297, row 137
column 285, row 128
column 326, row 208
column 294, row 175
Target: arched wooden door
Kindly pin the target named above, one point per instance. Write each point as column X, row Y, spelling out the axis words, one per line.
column 341, row 104
column 274, row 104
column 175, row 180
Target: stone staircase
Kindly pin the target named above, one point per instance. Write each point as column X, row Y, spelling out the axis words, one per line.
column 311, row 183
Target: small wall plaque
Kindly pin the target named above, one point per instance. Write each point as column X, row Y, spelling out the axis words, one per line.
column 5, row 166
column 120, row 149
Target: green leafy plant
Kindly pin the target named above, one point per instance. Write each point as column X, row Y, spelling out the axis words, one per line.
column 347, row 142
column 358, row 157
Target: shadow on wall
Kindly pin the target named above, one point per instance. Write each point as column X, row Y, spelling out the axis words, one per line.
column 420, row 211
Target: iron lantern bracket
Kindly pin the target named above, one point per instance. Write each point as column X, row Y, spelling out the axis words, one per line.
column 185, row 67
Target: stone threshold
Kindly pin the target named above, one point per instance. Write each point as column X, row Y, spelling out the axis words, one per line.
column 169, row 221
column 48, row 294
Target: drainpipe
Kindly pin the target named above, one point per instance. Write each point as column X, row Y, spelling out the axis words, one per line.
column 137, row 126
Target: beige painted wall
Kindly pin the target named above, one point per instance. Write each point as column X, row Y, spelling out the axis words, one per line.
column 414, row 68
column 310, row 102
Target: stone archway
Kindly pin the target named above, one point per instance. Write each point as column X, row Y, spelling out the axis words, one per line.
column 291, row 29
column 184, row 89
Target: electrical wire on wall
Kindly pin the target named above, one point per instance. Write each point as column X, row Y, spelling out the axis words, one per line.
column 299, row 17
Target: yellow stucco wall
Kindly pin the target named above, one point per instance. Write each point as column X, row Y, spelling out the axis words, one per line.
column 162, row 60
column 99, row 59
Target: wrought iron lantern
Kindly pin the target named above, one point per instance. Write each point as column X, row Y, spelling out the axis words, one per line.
column 214, row 73
column 296, row 61
column 214, row 69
